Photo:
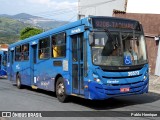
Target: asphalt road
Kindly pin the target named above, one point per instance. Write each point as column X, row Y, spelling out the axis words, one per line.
column 26, row 99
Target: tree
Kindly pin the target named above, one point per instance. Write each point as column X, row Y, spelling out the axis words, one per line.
column 29, row 31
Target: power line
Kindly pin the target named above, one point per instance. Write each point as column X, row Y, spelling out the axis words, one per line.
column 58, row 12
column 62, row 14
column 96, row 4
column 55, row 11
column 72, row 17
column 68, row 11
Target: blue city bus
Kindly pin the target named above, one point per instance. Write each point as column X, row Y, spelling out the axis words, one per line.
column 3, row 63
column 94, row 58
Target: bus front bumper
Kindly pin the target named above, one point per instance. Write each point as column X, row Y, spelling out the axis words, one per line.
column 101, row 91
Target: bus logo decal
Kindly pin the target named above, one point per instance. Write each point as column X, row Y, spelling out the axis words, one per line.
column 17, row 67
column 45, row 83
column 76, row 31
column 112, row 81
column 34, row 42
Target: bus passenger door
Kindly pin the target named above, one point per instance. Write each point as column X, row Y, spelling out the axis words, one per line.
column 33, row 64
column 77, row 64
column 11, row 61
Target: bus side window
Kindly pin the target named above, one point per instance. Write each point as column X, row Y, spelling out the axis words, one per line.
column 55, row 50
column 0, row 60
column 18, row 53
column 25, row 52
column 41, row 56
column 12, row 56
column 59, row 45
column 5, row 58
column 44, row 48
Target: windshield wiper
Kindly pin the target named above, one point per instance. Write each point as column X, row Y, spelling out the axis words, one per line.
column 115, row 44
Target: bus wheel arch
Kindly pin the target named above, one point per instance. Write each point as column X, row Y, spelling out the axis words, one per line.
column 56, row 79
column 18, row 80
column 60, row 89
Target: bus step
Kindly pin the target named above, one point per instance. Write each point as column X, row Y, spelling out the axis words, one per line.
column 34, row 87
column 81, row 96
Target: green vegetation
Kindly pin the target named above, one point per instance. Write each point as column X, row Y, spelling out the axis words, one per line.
column 29, row 31
column 10, row 30
column 11, row 25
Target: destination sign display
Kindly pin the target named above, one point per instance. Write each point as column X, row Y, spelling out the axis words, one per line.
column 115, row 23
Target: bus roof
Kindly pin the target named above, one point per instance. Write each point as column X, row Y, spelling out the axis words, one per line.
column 50, row 32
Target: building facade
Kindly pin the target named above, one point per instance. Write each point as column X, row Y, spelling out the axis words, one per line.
column 99, row 7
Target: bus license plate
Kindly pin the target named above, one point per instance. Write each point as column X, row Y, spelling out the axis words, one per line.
column 124, row 89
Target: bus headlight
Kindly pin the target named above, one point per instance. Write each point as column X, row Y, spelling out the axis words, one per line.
column 144, row 78
column 96, row 78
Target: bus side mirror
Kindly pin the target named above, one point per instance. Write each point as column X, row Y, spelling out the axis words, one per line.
column 91, row 39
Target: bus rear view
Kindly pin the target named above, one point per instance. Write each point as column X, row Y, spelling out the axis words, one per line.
column 119, row 59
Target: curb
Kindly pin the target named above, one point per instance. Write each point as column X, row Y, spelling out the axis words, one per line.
column 154, row 91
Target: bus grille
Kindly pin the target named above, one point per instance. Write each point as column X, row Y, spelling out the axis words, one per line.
column 122, row 77
column 114, row 89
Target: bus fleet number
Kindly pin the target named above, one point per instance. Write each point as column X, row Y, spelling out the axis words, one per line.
column 133, row 73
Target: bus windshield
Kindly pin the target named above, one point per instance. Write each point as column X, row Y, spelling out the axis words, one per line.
column 118, row 48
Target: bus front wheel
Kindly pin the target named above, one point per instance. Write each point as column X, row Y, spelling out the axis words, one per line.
column 18, row 82
column 61, row 90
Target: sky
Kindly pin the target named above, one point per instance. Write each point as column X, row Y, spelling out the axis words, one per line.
column 67, row 9
column 52, row 9
column 143, row 6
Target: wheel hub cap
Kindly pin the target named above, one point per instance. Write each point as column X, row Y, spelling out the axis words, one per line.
column 61, row 89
